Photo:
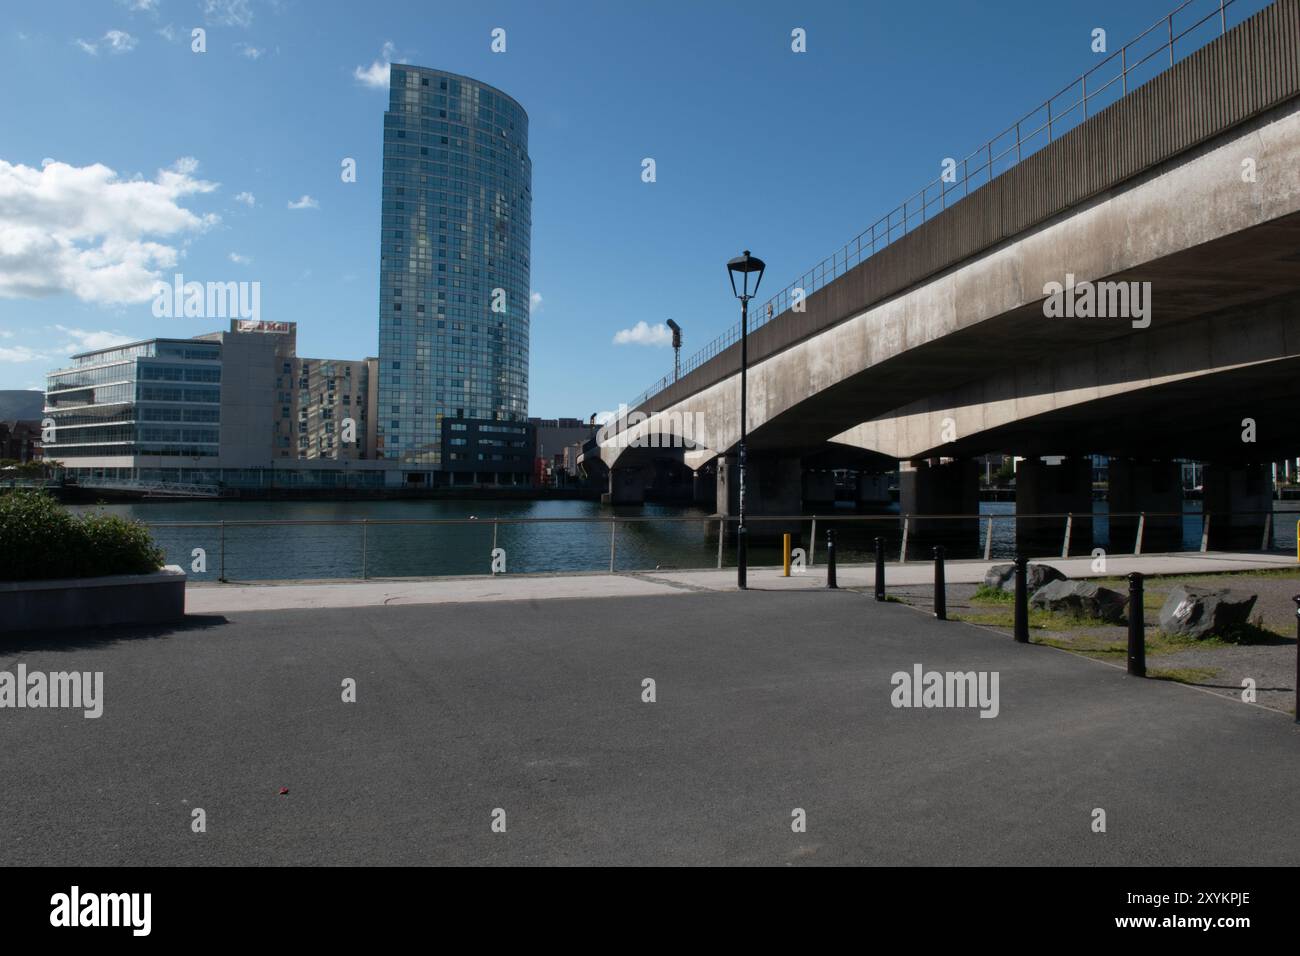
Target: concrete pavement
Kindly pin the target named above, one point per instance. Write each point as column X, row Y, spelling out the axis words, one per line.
column 220, row 598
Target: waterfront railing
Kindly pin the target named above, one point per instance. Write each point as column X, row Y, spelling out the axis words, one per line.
column 343, row 548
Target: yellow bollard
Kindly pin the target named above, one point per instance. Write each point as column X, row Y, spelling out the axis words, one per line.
column 785, row 546
column 1297, row 541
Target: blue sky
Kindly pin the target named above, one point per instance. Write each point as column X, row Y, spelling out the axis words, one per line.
column 755, row 147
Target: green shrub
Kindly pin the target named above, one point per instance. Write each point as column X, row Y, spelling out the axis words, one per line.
column 39, row 539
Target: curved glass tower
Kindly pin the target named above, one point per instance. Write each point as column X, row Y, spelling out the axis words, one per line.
column 454, row 257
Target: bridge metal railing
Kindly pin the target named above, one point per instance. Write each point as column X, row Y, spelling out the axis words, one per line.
column 167, row 488
column 1132, row 64
column 342, row 548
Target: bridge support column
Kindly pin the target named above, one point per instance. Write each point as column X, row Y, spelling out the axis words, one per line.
column 950, row 488
column 1232, row 493
column 671, row 481
column 818, row 491
column 1138, row 485
column 773, row 486
column 704, row 487
column 873, row 493
column 627, row 486
column 1057, row 489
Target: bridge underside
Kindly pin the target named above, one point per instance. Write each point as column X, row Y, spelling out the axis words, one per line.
column 1242, row 271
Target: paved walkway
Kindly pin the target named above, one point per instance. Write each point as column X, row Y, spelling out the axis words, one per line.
column 219, row 598
column 765, row 704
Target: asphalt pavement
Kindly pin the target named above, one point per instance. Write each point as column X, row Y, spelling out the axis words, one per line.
column 766, row 703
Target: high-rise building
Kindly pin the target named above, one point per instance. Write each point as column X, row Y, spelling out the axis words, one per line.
column 454, row 263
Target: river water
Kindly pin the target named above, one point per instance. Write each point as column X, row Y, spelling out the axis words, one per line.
column 672, row 537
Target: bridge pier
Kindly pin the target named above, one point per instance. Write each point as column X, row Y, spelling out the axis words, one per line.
column 627, row 486
column 1230, row 490
column 704, row 487
column 773, row 486
column 818, row 491
column 1138, row 485
column 949, row 488
column 1064, row 488
column 873, row 493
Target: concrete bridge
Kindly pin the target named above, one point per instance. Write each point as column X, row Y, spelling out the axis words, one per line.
column 978, row 329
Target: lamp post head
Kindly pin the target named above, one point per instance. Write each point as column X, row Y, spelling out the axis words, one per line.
column 745, row 265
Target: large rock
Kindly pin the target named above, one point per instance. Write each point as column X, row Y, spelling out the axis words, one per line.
column 1081, row 599
column 1203, row 612
column 1002, row 577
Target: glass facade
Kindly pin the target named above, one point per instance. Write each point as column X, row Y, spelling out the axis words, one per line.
column 454, row 261
column 161, row 397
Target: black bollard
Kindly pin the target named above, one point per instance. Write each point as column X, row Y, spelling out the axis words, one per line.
column 1137, row 641
column 940, row 591
column 880, row 569
column 830, row 559
column 1022, row 602
column 742, row 558
column 1297, row 657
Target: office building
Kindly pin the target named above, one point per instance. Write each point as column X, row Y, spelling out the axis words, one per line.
column 236, row 408
column 487, row 452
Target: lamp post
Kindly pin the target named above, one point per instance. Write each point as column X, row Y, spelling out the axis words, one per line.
column 743, row 265
column 677, row 348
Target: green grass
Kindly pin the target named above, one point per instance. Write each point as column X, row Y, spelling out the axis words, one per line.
column 1038, row 620
column 987, row 595
column 1183, row 675
column 1121, row 583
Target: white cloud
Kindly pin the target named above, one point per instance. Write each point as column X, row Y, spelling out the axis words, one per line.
column 168, row 33
column 248, row 51
column 119, row 41
column 86, row 231
column 140, row 6
column 306, row 202
column 644, row 334
column 246, row 198
column 534, row 301
column 239, row 260
column 376, row 74
column 82, row 341
column 228, row 13
column 20, row 353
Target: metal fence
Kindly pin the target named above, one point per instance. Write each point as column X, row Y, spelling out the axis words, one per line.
column 361, row 548
column 1143, row 57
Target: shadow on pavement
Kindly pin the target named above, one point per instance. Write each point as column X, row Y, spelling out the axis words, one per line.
column 77, row 639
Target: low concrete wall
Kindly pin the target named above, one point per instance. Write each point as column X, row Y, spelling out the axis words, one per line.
column 157, row 598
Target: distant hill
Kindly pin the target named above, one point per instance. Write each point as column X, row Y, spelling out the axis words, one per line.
column 21, row 404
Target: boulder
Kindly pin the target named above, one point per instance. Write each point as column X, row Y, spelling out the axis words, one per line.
column 1203, row 612
column 1002, row 577
column 1081, row 599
